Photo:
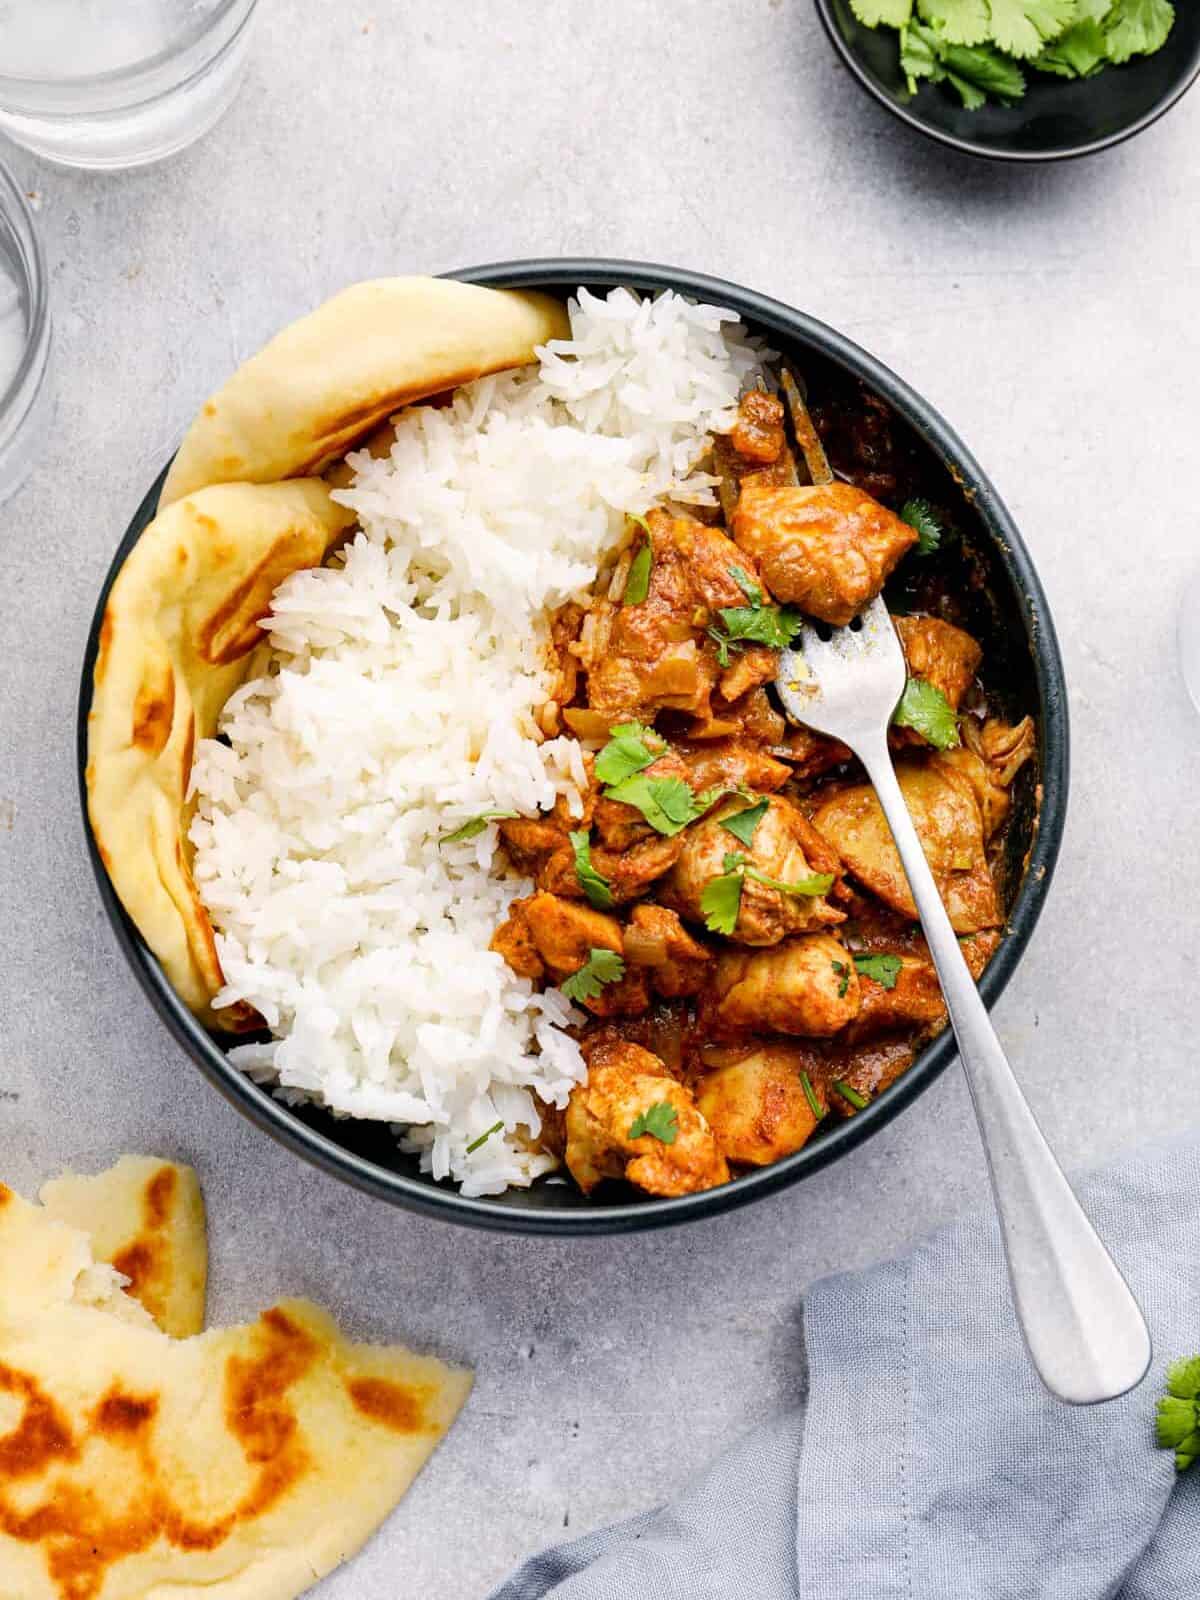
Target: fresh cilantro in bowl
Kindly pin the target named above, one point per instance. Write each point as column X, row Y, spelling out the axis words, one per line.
column 982, row 49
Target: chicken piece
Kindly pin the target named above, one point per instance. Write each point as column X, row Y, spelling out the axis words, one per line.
column 784, row 846
column 755, row 1104
column 758, row 434
column 548, row 936
column 812, row 754
column 751, row 717
column 676, row 964
column 734, row 764
column 827, row 548
column 1005, row 748
column 805, row 986
column 948, row 821
column 945, row 656
column 629, row 873
column 655, row 655
column 990, row 760
column 914, row 1002
column 665, row 1031
column 625, row 1082
column 531, row 841
column 750, row 670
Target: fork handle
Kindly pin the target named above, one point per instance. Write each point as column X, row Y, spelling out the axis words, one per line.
column 1086, row 1335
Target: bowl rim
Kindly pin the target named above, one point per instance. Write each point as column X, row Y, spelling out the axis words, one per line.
column 561, row 275
column 974, row 147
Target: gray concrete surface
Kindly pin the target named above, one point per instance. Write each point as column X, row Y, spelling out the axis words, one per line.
column 1050, row 314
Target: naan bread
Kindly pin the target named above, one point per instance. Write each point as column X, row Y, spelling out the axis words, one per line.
column 327, row 380
column 176, row 639
column 242, row 1464
column 145, row 1219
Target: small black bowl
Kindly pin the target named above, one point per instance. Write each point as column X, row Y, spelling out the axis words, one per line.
column 1008, row 613
column 1056, row 120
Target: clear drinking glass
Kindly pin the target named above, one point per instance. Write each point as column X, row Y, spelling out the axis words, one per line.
column 118, row 83
column 25, row 394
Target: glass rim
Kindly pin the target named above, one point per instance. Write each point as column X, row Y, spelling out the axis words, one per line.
column 184, row 44
column 32, row 263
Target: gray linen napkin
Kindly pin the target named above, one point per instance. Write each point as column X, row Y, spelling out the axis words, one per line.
column 929, row 1463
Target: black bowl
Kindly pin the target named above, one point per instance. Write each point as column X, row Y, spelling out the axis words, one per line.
column 1056, row 120
column 1008, row 613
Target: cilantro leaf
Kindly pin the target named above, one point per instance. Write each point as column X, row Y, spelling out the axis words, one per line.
column 743, row 823
column 601, row 967
column 850, row 1094
column 721, row 897
column 977, row 71
column 637, row 584
column 816, row 882
column 631, row 747
column 1022, row 27
column 721, row 901
column 747, row 585
column 883, row 970
column 921, row 516
column 474, row 826
column 668, row 804
column 483, row 1138
column 660, row 1121
column 842, row 970
column 958, row 21
column 919, row 55
column 774, row 626
column 1078, row 53
column 594, row 884
column 926, row 709
column 1138, row 28
column 1177, row 1419
column 889, row 13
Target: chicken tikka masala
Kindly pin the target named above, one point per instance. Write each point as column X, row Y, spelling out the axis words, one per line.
column 730, row 910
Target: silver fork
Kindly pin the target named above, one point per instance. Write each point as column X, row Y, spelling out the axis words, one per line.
column 1084, row 1330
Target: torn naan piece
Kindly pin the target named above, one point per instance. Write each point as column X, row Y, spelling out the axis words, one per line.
column 179, row 628
column 328, row 380
column 242, row 1464
column 145, row 1219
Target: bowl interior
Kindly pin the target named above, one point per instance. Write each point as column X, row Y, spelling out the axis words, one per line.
column 1055, row 119
column 1005, row 609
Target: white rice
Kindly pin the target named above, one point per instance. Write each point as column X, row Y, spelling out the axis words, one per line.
column 400, row 702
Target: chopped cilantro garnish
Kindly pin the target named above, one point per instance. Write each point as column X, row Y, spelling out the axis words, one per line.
column 721, row 897
column 883, row 970
column 810, row 1094
column 472, row 828
column 668, row 804
column 774, row 626
column 660, row 1121
column 601, row 967
column 979, row 47
column 743, row 823
column 850, row 1095
column 631, row 747
column 921, row 516
column 637, row 584
column 747, row 585
column 594, row 884
column 926, row 709
column 483, row 1138
column 720, row 901
column 1178, row 1420
column 842, row 970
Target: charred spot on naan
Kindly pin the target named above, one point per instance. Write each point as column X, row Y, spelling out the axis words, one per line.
column 400, row 1407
